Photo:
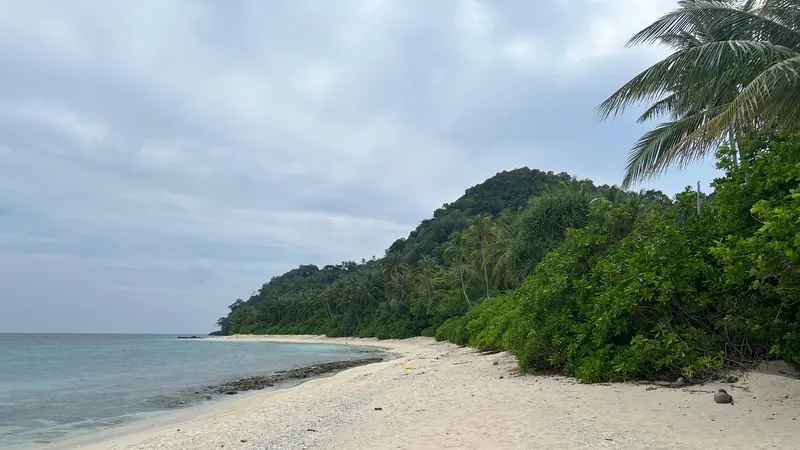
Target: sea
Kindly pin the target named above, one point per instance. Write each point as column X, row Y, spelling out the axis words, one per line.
column 58, row 386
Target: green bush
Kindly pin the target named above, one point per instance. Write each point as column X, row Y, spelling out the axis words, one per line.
column 488, row 321
column 612, row 302
column 454, row 330
column 760, row 252
column 670, row 293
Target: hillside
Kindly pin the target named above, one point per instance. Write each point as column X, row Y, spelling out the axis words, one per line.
column 308, row 299
column 508, row 190
column 591, row 281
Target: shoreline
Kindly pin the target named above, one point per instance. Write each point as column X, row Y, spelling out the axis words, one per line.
column 184, row 406
column 283, row 377
column 439, row 395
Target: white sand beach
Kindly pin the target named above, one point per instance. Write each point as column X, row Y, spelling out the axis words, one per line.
column 438, row 395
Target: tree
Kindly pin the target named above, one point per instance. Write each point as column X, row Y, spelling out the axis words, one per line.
column 426, row 277
column 545, row 221
column 506, row 252
column 736, row 68
column 458, row 252
column 481, row 234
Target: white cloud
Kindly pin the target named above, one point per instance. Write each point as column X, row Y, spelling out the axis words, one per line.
column 527, row 54
column 608, row 31
column 64, row 121
column 200, row 147
column 474, row 18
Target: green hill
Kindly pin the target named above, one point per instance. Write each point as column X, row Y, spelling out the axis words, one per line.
column 377, row 297
column 591, row 281
column 508, row 190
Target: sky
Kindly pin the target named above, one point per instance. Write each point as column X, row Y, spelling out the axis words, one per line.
column 160, row 158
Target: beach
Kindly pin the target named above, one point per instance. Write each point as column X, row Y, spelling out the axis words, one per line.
column 437, row 395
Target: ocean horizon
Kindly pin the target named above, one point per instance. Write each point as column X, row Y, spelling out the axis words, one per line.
column 55, row 386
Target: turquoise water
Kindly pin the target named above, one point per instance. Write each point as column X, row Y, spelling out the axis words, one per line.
column 54, row 386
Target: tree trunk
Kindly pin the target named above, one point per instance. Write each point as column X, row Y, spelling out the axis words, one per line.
column 464, row 286
column 732, row 144
column 485, row 273
column 699, row 204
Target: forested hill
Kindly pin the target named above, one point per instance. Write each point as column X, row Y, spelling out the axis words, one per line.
column 310, row 300
column 591, row 281
column 508, row 190
column 596, row 282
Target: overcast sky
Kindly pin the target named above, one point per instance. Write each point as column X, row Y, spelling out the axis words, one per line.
column 160, row 158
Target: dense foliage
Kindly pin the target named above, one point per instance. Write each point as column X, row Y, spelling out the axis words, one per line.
column 598, row 282
column 478, row 245
column 670, row 293
column 594, row 282
column 734, row 71
column 508, row 190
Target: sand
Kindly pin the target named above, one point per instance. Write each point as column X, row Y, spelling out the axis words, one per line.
column 440, row 396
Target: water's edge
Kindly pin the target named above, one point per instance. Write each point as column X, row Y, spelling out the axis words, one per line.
column 244, row 387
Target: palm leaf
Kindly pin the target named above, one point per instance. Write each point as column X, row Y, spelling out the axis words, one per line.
column 662, row 146
column 738, row 24
column 724, row 60
column 661, row 107
column 736, row 66
column 786, row 12
column 680, row 40
column 772, row 99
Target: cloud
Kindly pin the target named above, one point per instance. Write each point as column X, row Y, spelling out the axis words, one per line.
column 611, row 24
column 62, row 122
column 177, row 155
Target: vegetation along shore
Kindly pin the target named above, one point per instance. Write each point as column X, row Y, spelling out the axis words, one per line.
column 599, row 282
column 539, row 272
column 437, row 395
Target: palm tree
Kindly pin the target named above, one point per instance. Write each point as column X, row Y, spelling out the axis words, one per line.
column 482, row 234
column 399, row 289
column 426, row 276
column 735, row 69
column 458, row 252
column 506, row 252
column 371, row 287
column 393, row 265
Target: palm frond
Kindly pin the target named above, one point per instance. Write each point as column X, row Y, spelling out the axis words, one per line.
column 660, row 108
column 737, row 23
column 786, row 12
column 680, row 40
column 736, row 66
column 696, row 67
column 654, row 152
column 772, row 99
column 686, row 18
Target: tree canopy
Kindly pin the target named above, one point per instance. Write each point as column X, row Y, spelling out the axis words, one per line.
column 734, row 70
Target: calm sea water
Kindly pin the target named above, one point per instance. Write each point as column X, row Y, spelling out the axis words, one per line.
column 54, row 386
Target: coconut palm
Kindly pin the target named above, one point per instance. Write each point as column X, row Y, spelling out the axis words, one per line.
column 735, row 69
column 426, row 276
column 458, row 252
column 482, row 234
column 506, row 252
